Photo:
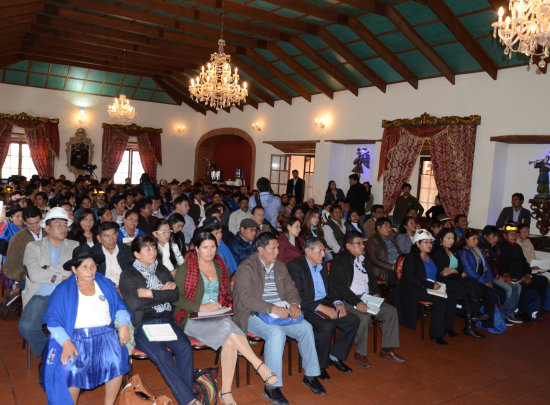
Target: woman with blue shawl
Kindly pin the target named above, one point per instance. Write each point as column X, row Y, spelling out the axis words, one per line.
column 84, row 350
column 16, row 223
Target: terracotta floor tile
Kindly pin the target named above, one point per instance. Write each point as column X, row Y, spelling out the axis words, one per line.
column 29, row 391
column 6, row 392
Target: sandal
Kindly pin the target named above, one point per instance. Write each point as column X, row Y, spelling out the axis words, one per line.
column 226, row 393
column 270, row 375
column 195, row 402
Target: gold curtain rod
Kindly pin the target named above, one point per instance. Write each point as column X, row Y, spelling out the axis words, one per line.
column 132, row 127
column 26, row 117
column 427, row 120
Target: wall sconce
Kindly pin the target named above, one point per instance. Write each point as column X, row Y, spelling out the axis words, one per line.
column 257, row 126
column 320, row 122
column 181, row 128
column 82, row 117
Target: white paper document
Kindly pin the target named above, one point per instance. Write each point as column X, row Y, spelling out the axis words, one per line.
column 159, row 332
column 283, row 304
column 373, row 303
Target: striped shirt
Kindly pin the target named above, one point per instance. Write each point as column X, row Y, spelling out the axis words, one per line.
column 270, row 294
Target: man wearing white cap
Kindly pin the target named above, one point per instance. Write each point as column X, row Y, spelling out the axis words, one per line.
column 43, row 261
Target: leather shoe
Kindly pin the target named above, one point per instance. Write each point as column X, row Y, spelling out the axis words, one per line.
column 363, row 361
column 339, row 364
column 315, row 385
column 275, row 396
column 390, row 354
column 324, row 375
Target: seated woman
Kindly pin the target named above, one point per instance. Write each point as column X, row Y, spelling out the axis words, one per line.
column 83, row 351
column 525, row 243
column 419, row 274
column 476, row 267
column 353, row 222
column 290, row 243
column 129, row 231
column 451, row 273
column 203, row 284
column 405, row 236
column 149, row 289
column 168, row 252
column 15, row 224
column 83, row 228
column 177, row 222
column 104, row 214
column 216, row 228
column 311, row 226
column 298, row 212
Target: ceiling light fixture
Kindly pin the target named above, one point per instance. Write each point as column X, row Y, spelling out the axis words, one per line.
column 216, row 86
column 526, row 30
column 121, row 110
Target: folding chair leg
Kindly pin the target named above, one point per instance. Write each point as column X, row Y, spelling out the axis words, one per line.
column 237, row 372
column 247, row 373
column 375, row 338
column 299, row 363
column 422, row 315
column 289, row 357
column 28, row 356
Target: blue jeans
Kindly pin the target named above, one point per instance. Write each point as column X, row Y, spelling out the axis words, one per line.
column 275, row 339
column 512, row 297
column 30, row 324
column 179, row 376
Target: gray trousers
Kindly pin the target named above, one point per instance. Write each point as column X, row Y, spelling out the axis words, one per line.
column 389, row 327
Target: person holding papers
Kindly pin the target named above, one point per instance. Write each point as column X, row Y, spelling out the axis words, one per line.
column 477, row 268
column 419, row 273
column 148, row 290
column 84, row 351
column 323, row 308
column 451, row 273
column 352, row 277
column 203, row 285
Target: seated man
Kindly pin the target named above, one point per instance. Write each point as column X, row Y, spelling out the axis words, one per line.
column 243, row 244
column 323, row 308
column 237, row 216
column 507, row 291
column 117, row 255
column 519, row 270
column 260, row 282
column 515, row 214
column 335, row 229
column 351, row 276
column 383, row 251
column 13, row 266
column 461, row 224
column 377, row 211
column 44, row 261
column 146, row 220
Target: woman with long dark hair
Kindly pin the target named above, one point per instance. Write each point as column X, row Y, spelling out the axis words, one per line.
column 83, row 228
column 333, row 193
column 311, row 226
column 168, row 253
column 290, row 243
column 405, row 236
column 203, row 285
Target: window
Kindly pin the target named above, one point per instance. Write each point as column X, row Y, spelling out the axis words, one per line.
column 281, row 172
column 18, row 161
column 427, row 189
column 130, row 166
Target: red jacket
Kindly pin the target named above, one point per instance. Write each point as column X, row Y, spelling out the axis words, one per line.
column 287, row 251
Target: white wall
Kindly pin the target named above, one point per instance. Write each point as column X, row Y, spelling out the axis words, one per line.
column 515, row 104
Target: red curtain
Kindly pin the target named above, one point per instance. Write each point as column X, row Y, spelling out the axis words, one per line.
column 115, row 139
column 453, row 160
column 42, row 137
column 113, row 147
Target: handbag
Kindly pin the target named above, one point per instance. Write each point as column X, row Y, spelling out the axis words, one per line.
column 136, row 393
column 279, row 321
column 499, row 324
column 205, row 386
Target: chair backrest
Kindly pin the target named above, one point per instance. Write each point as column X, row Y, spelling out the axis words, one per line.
column 399, row 266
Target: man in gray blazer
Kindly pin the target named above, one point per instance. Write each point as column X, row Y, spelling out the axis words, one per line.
column 515, row 214
column 43, row 261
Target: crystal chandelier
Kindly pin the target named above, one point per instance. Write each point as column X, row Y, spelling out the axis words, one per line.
column 527, row 30
column 121, row 110
column 216, row 86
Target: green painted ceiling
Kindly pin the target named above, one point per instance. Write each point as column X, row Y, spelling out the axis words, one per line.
column 148, row 49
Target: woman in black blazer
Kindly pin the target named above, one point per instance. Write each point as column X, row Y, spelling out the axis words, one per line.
column 419, row 274
column 333, row 193
column 451, row 272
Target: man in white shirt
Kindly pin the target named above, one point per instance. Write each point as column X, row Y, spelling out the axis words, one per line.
column 335, row 229
column 117, row 255
column 237, row 216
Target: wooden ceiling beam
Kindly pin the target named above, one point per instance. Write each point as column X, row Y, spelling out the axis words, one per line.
column 299, row 69
column 183, row 97
column 287, row 80
column 383, row 51
column 173, row 94
column 324, row 64
column 20, row 19
column 7, row 11
column 186, row 95
column 496, row 4
column 453, row 23
column 8, row 60
column 265, row 82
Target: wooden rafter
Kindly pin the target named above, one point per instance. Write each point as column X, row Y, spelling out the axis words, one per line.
column 185, row 93
column 452, row 22
column 178, row 96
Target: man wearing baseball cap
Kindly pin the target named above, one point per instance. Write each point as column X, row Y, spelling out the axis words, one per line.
column 243, row 244
column 43, row 261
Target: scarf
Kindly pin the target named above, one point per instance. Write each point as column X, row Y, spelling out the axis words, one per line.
column 153, row 283
column 192, row 282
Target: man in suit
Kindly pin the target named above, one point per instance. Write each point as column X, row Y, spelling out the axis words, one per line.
column 357, row 195
column 350, row 277
column 261, row 283
column 117, row 255
column 323, row 308
column 515, row 214
column 44, row 261
column 295, row 187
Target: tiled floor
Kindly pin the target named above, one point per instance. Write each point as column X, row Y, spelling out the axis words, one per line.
column 513, row 368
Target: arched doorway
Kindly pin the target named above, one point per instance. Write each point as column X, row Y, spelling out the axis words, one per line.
column 229, row 148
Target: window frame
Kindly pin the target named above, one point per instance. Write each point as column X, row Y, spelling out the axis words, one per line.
column 21, row 140
column 130, row 147
column 424, row 158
